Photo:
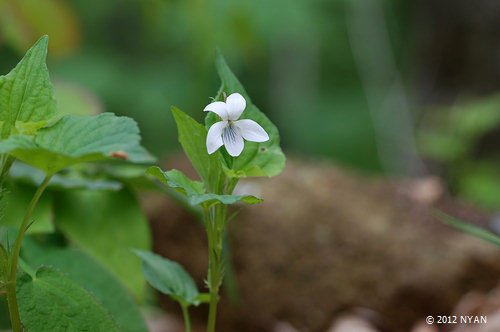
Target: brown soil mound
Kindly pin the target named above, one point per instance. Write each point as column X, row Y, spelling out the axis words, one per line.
column 327, row 241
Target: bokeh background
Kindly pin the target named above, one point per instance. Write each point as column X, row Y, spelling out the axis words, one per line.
column 385, row 88
column 380, row 86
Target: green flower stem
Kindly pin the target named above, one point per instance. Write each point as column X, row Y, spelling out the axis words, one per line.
column 185, row 314
column 215, row 234
column 212, row 269
column 11, row 282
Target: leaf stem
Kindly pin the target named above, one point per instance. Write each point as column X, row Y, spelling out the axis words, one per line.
column 185, row 314
column 11, row 282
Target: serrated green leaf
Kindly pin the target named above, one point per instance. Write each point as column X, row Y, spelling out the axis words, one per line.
column 76, row 139
column 468, row 228
column 93, row 277
column 27, row 174
column 27, row 100
column 168, row 277
column 53, row 302
column 257, row 159
column 105, row 225
column 192, row 137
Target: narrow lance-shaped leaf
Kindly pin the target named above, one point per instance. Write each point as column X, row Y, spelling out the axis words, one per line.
column 75, row 139
column 27, row 100
column 468, row 228
column 177, row 180
column 257, row 159
column 194, row 190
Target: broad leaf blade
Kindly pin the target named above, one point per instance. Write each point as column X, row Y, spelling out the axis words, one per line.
column 168, row 277
column 93, row 277
column 192, row 137
column 53, row 302
column 75, row 139
column 105, row 225
column 27, row 100
column 257, row 159
column 73, row 180
column 15, row 202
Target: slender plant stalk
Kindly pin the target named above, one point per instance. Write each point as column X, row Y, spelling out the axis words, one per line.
column 185, row 314
column 212, row 278
column 215, row 235
column 11, row 282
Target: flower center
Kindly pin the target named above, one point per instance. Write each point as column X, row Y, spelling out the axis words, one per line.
column 229, row 133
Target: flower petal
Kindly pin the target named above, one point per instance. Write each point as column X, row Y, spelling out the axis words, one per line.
column 232, row 140
column 219, row 108
column 251, row 130
column 214, row 136
column 235, row 106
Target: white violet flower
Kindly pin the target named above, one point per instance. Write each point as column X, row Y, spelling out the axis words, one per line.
column 230, row 132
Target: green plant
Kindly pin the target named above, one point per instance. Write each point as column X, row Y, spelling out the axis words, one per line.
column 220, row 169
column 52, row 287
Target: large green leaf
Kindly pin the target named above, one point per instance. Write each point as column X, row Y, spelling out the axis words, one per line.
column 71, row 180
column 52, row 302
column 15, row 202
column 106, row 225
column 192, row 137
column 257, row 159
column 75, row 139
column 168, row 277
column 27, row 100
column 194, row 189
column 93, row 277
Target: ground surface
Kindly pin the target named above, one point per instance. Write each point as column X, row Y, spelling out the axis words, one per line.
column 329, row 242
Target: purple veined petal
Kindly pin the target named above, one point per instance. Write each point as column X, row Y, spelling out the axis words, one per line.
column 219, row 108
column 251, row 130
column 232, row 140
column 214, row 136
column 235, row 106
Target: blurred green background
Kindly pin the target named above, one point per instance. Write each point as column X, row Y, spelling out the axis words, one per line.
column 377, row 85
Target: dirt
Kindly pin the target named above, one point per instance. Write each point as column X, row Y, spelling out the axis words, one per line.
column 327, row 242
